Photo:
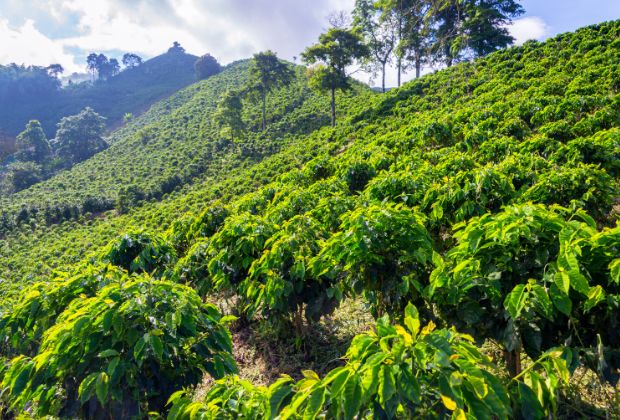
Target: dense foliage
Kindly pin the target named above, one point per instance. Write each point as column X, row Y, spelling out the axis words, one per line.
column 486, row 194
column 398, row 371
column 121, row 352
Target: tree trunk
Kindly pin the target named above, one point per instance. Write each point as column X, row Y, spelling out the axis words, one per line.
column 399, row 60
column 264, row 111
column 513, row 362
column 418, row 67
column 333, row 107
column 383, row 78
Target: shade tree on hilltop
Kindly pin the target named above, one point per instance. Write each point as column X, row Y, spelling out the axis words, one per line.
column 267, row 73
column 131, row 60
column 336, row 50
column 206, row 66
column 477, row 27
column 380, row 35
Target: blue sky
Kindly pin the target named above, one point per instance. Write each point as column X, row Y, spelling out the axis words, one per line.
column 65, row 31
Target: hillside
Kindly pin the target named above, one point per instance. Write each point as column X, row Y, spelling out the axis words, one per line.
column 183, row 147
column 486, row 194
column 131, row 91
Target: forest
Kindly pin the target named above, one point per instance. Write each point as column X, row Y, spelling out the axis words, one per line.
column 279, row 240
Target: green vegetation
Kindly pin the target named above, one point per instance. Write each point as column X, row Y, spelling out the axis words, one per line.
column 336, row 50
column 32, row 145
column 80, row 136
column 176, row 155
column 35, row 92
column 472, row 210
column 206, row 66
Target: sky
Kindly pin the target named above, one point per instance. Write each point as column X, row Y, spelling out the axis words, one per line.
column 42, row 32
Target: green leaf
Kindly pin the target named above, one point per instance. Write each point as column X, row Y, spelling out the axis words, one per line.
column 138, row 350
column 108, row 353
column 595, row 296
column 562, row 281
column 541, row 300
column 278, row 395
column 412, row 319
column 387, row 385
column 529, row 404
column 112, row 367
column 315, row 403
column 560, row 300
column 19, row 383
column 157, row 345
column 352, row 398
column 515, row 301
column 86, row 389
column 480, row 387
column 614, row 268
column 102, row 387
column 578, row 281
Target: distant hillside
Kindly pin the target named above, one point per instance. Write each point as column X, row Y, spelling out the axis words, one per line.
column 132, row 91
column 174, row 143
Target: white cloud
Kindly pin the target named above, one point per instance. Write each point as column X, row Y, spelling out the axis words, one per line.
column 531, row 27
column 228, row 29
column 26, row 45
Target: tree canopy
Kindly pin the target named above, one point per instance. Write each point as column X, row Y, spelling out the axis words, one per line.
column 131, row 60
column 80, row 136
column 336, row 49
column 267, row 73
column 229, row 114
column 32, row 145
column 380, row 34
column 206, row 66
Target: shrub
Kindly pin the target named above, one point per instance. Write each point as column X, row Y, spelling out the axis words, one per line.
column 121, row 353
column 381, row 251
column 139, row 252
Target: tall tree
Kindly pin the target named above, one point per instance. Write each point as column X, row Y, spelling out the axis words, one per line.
column 413, row 32
column 91, row 65
column 206, row 66
column 55, row 70
column 476, row 26
column 266, row 74
column 21, row 175
column 32, row 145
column 379, row 31
column 229, row 114
column 176, row 48
column 113, row 67
column 131, row 60
column 336, row 49
column 80, row 136
column 486, row 25
column 102, row 66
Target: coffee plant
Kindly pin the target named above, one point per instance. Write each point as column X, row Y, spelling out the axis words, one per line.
column 121, row 353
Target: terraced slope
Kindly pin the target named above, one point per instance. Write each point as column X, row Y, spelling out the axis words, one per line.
column 169, row 148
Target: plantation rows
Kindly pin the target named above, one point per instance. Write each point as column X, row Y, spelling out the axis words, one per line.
column 477, row 204
column 181, row 144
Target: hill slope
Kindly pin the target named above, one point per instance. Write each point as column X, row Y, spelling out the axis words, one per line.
column 486, row 193
column 131, row 91
column 173, row 145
